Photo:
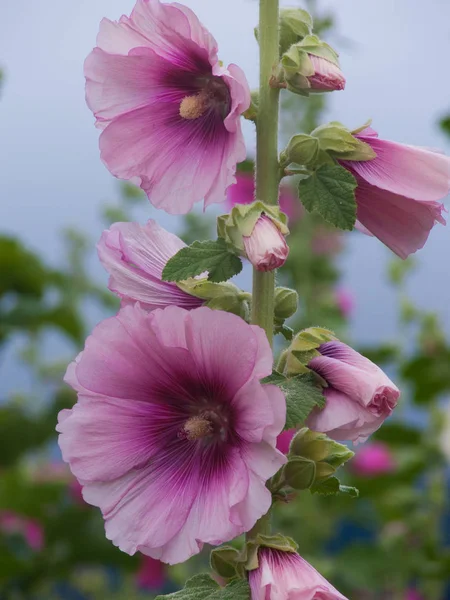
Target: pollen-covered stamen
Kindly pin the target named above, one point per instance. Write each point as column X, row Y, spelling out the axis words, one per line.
column 196, row 428
column 192, row 107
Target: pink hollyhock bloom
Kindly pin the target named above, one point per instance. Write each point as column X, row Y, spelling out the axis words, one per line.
column 30, row 529
column 398, row 192
column 345, row 301
column 328, row 77
column 359, row 395
column 284, row 440
column 173, row 435
column 287, row 576
column 151, row 574
column 170, row 113
column 266, row 247
column 243, row 192
column 135, row 256
column 413, row 595
column 373, row 459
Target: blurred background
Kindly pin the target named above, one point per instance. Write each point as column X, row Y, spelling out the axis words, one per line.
column 56, row 197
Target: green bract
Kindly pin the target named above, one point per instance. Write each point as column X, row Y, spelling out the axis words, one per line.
column 295, row 24
column 303, row 348
column 219, row 296
column 242, row 220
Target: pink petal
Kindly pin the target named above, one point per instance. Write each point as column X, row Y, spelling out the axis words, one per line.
column 405, row 170
column 402, row 224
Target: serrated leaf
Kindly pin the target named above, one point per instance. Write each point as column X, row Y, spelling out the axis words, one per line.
column 332, row 487
column 330, row 191
column 211, row 256
column 301, row 393
column 203, row 587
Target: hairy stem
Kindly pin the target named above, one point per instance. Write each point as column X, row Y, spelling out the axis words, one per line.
column 267, row 173
column 267, row 167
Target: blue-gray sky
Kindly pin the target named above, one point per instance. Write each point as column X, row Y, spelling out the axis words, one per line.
column 394, row 55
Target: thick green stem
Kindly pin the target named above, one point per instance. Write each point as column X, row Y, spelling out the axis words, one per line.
column 267, row 167
column 267, row 173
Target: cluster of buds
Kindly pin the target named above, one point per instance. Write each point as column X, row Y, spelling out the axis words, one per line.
column 307, row 63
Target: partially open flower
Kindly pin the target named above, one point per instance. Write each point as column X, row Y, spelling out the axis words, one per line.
column 327, row 77
column 170, row 113
column 173, row 435
column 266, row 247
column 135, row 256
column 287, row 576
column 398, row 192
column 359, row 395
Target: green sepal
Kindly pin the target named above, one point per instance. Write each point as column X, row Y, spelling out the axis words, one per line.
column 303, row 348
column 251, row 113
column 276, row 542
column 242, row 220
column 341, row 143
column 219, row 296
column 295, row 24
column 302, row 149
column 368, row 123
column 312, row 44
column 299, row 473
column 224, row 561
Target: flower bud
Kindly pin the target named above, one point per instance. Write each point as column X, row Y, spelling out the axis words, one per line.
column 327, row 77
column 266, row 246
column 286, row 301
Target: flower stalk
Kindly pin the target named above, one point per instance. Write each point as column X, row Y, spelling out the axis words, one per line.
column 267, row 167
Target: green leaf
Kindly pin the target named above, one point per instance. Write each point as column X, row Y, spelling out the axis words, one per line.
column 211, row 256
column 301, row 393
column 330, row 191
column 203, row 587
column 332, row 486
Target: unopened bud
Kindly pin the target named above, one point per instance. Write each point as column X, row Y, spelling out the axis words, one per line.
column 266, row 246
column 327, row 77
column 286, row 301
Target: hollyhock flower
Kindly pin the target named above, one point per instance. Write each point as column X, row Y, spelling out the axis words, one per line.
column 31, row 530
column 266, row 247
column 135, row 257
column 373, row 459
column 173, row 435
column 398, row 192
column 287, row 576
column 151, row 574
column 243, row 192
column 170, row 113
column 327, row 77
column 284, row 440
column 359, row 395
column 345, row 301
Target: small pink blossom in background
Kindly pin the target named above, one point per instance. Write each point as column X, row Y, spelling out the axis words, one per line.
column 284, row 440
column 173, row 435
column 151, row 574
column 168, row 111
column 345, row 301
column 266, row 247
column 373, row 459
column 398, row 192
column 30, row 529
column 359, row 396
column 328, row 77
column 135, row 256
column 243, row 192
column 412, row 594
column 287, row 576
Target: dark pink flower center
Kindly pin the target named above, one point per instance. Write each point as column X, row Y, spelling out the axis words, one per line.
column 213, row 95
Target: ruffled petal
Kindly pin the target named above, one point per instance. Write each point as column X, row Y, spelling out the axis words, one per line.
column 404, row 170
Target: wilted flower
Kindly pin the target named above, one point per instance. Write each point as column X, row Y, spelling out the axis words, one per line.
column 266, row 247
column 287, row 576
column 359, row 395
column 243, row 192
column 170, row 113
column 373, row 459
column 173, row 435
column 398, row 192
column 327, row 77
column 135, row 257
